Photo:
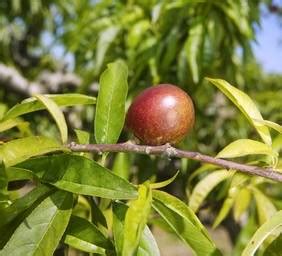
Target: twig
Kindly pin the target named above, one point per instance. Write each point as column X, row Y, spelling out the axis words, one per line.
column 169, row 151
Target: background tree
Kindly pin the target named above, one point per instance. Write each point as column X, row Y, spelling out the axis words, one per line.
column 55, row 46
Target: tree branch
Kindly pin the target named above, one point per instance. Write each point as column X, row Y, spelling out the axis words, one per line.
column 169, row 151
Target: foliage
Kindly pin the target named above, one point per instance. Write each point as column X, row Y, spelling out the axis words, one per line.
column 107, row 204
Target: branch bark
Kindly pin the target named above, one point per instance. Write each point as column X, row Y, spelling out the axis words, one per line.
column 169, row 151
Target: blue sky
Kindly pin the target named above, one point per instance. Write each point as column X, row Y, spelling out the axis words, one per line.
column 268, row 48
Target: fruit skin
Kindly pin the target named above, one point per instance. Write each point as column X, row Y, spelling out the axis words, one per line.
column 161, row 114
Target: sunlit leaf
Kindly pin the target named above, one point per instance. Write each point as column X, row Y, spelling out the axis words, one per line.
column 57, row 114
column 11, row 123
column 147, row 245
column 41, row 231
column 121, row 166
column 205, row 186
column 32, row 104
column 80, row 175
column 244, row 147
column 110, row 110
column 246, row 106
column 270, row 124
column 241, row 203
column 163, row 183
column 106, row 37
column 269, row 227
column 136, row 219
column 184, row 223
column 18, row 150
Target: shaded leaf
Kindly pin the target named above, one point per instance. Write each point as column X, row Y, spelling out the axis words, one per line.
column 244, row 147
column 14, row 173
column 265, row 207
column 24, row 203
column 269, row 227
column 192, row 48
column 184, row 223
column 85, row 236
column 80, row 175
column 32, row 104
column 110, row 109
column 57, row 114
column 246, row 106
column 83, row 137
column 275, row 248
column 205, row 186
column 18, row 150
column 41, row 231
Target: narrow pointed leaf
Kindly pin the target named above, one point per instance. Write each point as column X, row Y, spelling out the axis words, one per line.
column 245, row 105
column 135, row 220
column 18, row 150
column 205, row 186
column 244, row 147
column 269, row 227
column 110, row 109
column 40, row 233
column 22, row 204
column 242, row 201
column 270, row 124
column 275, row 248
column 57, row 114
column 83, row 235
column 80, row 175
column 64, row 100
column 265, row 207
column 184, row 223
column 147, row 245
column 163, row 183
column 11, row 123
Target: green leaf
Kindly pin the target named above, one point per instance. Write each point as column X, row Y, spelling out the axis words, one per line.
column 121, row 166
column 244, row 147
column 14, row 173
column 227, row 205
column 4, row 196
column 269, row 124
column 41, row 231
column 269, row 227
column 57, row 114
column 22, row 204
column 80, row 175
column 64, row 100
column 192, row 48
column 238, row 181
column 275, row 248
column 83, row 137
column 241, row 203
column 205, row 186
column 265, row 207
column 246, row 106
column 11, row 123
column 106, row 38
column 163, row 183
column 147, row 245
column 184, row 223
column 85, row 236
column 110, row 110
column 16, row 151
column 136, row 219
